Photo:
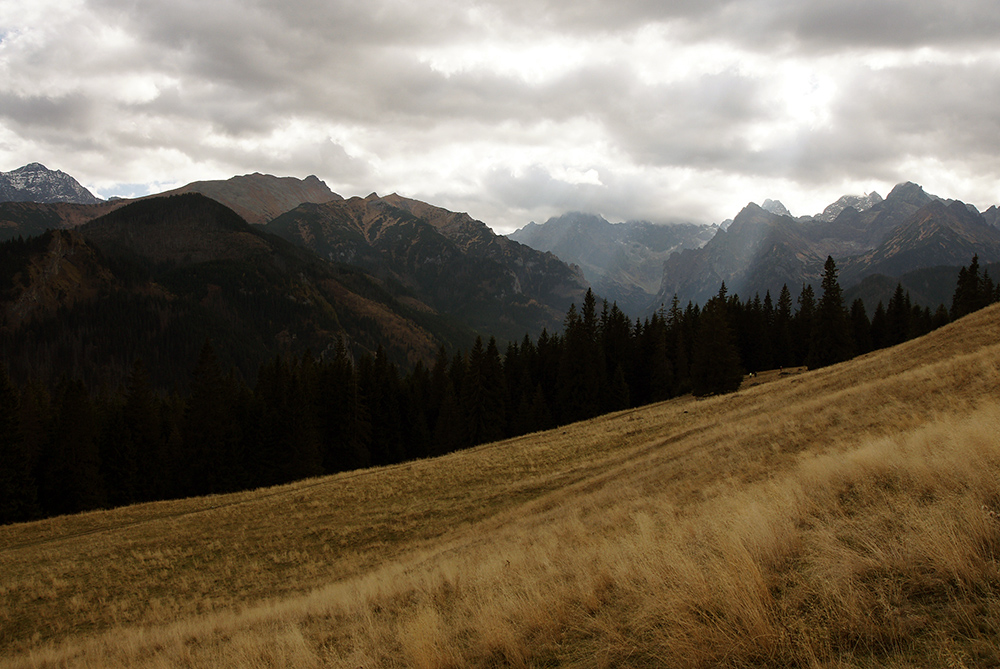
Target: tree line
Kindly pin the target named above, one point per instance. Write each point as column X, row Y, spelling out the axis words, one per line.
column 70, row 448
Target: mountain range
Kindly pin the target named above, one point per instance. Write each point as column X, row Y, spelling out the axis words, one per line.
column 760, row 251
column 455, row 273
column 167, row 272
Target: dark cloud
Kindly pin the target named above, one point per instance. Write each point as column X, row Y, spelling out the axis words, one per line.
column 72, row 112
column 767, row 24
column 835, row 24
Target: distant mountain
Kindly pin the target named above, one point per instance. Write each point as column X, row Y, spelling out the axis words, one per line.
column 260, row 198
column 448, row 260
column 759, row 250
column 154, row 279
column 907, row 231
column 622, row 261
column 36, row 183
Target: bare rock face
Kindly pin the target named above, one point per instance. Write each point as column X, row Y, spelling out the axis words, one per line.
column 36, row 183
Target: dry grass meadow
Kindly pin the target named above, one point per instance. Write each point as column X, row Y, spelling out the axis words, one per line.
column 846, row 517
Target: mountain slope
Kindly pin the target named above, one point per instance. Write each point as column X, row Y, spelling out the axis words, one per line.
column 448, row 260
column 860, row 499
column 167, row 273
column 936, row 234
column 28, row 219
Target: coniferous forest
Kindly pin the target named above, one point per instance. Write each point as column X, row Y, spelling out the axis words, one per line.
column 69, row 448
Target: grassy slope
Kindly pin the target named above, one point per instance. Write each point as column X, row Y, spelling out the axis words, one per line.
column 843, row 517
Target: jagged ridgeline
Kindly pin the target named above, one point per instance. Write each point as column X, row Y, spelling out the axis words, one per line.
column 449, row 261
column 155, row 279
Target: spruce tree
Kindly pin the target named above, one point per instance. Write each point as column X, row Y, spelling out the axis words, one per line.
column 144, row 429
column 880, row 328
column 678, row 340
column 861, row 328
column 72, row 480
column 898, row 315
column 970, row 292
column 209, row 431
column 782, row 329
column 579, row 365
column 831, row 340
column 343, row 418
column 381, row 385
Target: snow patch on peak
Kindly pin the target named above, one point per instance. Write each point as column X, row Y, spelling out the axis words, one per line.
column 858, row 202
column 775, row 207
column 36, row 183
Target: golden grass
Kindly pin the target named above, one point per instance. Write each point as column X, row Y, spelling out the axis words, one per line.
column 843, row 517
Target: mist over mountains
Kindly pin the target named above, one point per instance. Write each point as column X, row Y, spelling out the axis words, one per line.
column 622, row 261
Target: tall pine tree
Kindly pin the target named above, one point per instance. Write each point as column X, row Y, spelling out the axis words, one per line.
column 831, row 340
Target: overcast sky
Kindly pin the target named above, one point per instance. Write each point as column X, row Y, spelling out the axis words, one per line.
column 513, row 110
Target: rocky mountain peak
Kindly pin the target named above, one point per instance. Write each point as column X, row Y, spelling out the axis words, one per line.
column 857, row 202
column 36, row 183
column 910, row 193
column 775, row 207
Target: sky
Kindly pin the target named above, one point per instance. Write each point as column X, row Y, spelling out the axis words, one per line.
column 513, row 110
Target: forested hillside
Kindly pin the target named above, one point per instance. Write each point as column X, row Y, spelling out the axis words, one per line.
column 72, row 447
column 153, row 280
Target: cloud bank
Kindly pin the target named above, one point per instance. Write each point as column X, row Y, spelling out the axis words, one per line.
column 513, row 111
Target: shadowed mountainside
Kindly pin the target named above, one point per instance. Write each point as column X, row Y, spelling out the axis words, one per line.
column 154, row 279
